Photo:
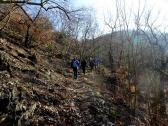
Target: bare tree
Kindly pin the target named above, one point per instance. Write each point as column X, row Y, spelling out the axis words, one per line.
column 114, row 24
column 58, row 7
column 158, row 39
column 45, row 4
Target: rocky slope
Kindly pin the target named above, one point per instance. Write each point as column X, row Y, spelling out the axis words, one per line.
column 38, row 90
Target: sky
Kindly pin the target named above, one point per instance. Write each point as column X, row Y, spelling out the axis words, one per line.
column 105, row 7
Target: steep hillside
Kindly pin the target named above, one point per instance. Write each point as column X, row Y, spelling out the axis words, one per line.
column 38, row 90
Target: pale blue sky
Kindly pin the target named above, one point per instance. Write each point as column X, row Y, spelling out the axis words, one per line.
column 104, row 7
column 99, row 6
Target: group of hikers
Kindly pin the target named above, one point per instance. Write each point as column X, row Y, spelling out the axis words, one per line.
column 76, row 64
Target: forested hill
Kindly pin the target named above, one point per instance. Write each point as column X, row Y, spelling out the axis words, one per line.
column 38, row 42
column 38, row 89
column 37, row 85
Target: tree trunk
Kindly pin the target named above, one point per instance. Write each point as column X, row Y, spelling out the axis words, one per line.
column 26, row 42
column 111, row 60
column 162, row 85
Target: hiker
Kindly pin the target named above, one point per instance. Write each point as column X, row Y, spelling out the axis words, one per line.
column 91, row 63
column 97, row 62
column 83, row 65
column 75, row 65
column 94, row 62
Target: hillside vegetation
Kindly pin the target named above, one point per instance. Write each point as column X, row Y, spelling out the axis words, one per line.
column 39, row 39
column 38, row 91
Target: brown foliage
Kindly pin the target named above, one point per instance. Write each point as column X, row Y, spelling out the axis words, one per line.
column 39, row 30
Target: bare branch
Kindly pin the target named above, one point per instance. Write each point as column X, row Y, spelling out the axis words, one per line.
column 54, row 4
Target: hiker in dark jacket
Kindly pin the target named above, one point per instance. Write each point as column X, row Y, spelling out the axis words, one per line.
column 97, row 62
column 83, row 65
column 91, row 63
column 75, row 65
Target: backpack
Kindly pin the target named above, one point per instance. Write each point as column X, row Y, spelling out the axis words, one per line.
column 75, row 63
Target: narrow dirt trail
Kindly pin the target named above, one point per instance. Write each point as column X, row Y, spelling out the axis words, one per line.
column 97, row 103
column 94, row 100
column 93, row 83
